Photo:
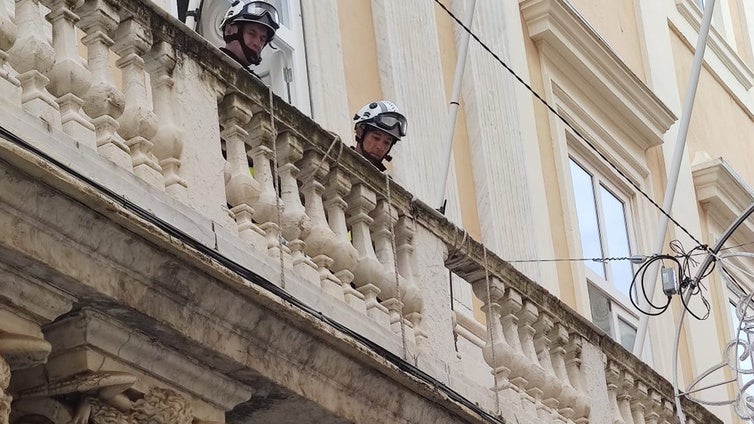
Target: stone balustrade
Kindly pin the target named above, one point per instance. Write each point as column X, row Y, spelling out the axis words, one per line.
column 181, row 122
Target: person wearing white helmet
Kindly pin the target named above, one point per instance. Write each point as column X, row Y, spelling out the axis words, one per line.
column 247, row 27
column 378, row 126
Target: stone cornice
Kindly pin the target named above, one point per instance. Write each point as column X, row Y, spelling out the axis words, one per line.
column 717, row 45
column 575, row 48
column 724, row 64
column 722, row 191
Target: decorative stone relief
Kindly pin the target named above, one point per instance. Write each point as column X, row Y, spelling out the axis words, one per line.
column 17, row 351
column 5, row 398
column 104, row 401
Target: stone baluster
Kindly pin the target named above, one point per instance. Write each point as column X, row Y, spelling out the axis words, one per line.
column 668, row 414
column 296, row 223
column 10, row 87
column 569, row 397
column 497, row 352
column 513, row 306
column 369, row 273
column 69, row 77
column 654, row 405
column 241, row 189
column 413, row 303
column 103, row 102
column 613, row 375
column 382, row 215
column 625, row 396
column 168, row 144
column 138, row 123
column 321, row 240
column 261, row 139
column 576, row 377
column 32, row 57
column 543, row 344
column 534, row 374
column 640, row 402
column 345, row 255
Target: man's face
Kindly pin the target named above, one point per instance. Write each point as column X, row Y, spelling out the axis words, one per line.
column 376, row 144
column 254, row 35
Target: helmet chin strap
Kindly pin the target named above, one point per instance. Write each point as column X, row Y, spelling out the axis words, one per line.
column 251, row 56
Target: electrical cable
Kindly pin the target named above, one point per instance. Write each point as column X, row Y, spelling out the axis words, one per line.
column 634, row 259
column 565, row 121
column 683, row 261
column 252, row 277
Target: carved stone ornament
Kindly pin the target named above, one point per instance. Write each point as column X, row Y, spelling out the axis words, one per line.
column 5, row 398
column 158, row 406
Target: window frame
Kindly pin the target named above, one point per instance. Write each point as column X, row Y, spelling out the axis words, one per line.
column 286, row 51
column 601, row 177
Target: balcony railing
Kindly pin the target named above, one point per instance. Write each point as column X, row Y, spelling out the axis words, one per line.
column 189, row 123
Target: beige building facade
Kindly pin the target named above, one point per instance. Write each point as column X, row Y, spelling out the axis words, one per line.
column 148, row 276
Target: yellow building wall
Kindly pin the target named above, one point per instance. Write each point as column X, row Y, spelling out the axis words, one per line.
column 617, row 26
column 359, row 53
column 552, row 191
column 743, row 45
column 719, row 126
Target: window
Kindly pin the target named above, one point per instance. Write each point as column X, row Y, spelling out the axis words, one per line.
column 283, row 64
column 603, row 229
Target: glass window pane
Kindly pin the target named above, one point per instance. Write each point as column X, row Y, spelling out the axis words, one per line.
column 600, row 306
column 587, row 216
column 616, row 236
column 627, row 334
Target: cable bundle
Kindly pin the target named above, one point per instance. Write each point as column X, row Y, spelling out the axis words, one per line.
column 682, row 261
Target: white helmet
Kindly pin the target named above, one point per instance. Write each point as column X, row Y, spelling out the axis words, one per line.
column 258, row 11
column 383, row 115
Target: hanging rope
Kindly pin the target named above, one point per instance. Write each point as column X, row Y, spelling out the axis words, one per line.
column 335, row 140
column 395, row 266
column 275, row 184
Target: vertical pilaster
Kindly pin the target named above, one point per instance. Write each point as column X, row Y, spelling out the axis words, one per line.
column 502, row 138
column 324, row 62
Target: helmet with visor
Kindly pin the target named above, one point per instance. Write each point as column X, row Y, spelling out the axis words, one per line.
column 260, row 12
column 382, row 115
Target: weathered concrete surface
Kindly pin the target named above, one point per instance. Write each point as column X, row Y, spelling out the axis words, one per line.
column 109, row 261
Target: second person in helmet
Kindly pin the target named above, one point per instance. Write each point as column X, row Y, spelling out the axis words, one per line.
column 248, row 26
column 378, row 126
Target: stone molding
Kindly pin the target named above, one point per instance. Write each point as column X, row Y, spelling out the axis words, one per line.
column 573, row 46
column 723, row 193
